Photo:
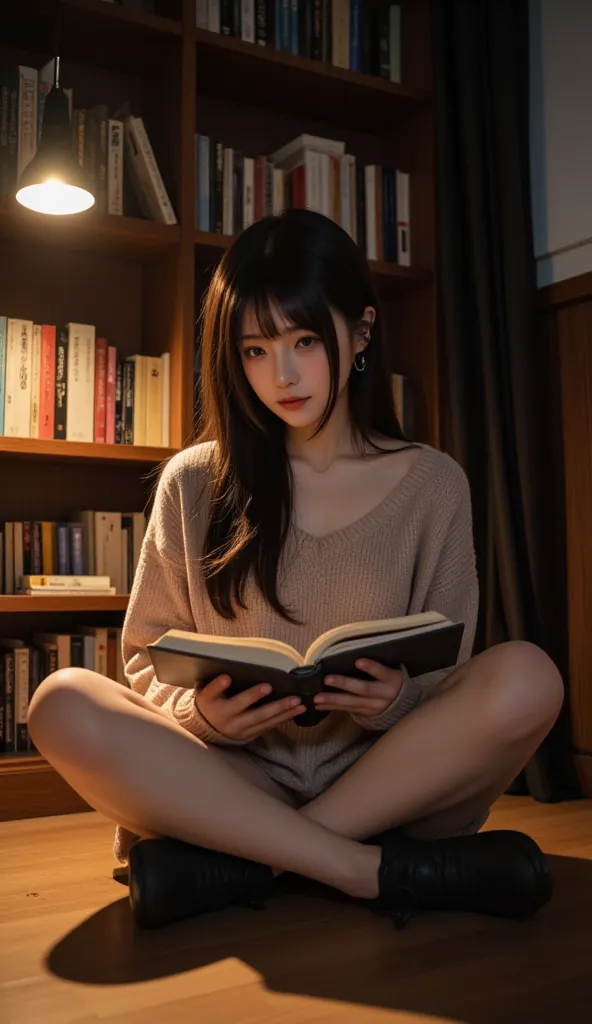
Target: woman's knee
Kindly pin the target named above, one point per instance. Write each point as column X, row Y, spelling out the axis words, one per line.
column 65, row 713
column 525, row 690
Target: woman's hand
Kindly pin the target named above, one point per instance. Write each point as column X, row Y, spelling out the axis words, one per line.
column 231, row 716
column 361, row 697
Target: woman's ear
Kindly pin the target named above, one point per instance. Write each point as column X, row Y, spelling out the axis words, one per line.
column 364, row 329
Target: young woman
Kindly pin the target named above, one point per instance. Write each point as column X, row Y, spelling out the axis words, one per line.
column 303, row 507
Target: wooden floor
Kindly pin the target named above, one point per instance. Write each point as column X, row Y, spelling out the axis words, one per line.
column 70, row 955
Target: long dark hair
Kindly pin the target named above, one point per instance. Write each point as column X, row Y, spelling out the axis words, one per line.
column 304, row 265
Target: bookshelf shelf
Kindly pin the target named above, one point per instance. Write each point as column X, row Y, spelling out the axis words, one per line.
column 23, row 604
column 297, row 85
column 125, row 237
column 27, row 447
column 210, row 246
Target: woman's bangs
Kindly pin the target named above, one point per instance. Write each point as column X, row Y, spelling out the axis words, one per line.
column 275, row 303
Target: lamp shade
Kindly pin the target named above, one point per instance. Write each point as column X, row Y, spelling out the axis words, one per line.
column 53, row 182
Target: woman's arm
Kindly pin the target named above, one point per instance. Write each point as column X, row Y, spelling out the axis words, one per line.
column 159, row 601
column 453, row 590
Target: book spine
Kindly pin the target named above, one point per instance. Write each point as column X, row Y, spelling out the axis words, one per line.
column 166, row 398
column 119, row 408
column 403, row 227
column 67, row 582
column 101, row 113
column 394, row 42
column 63, row 549
column 128, row 402
column 110, row 395
column 47, row 387
column 248, row 21
column 27, row 139
column 248, row 191
column 115, row 167
column 48, row 544
column 17, row 413
column 81, row 383
column 36, row 559
column 201, row 13
column 100, row 429
column 151, row 173
column 370, row 196
column 261, row 23
column 27, row 545
column 35, row 380
column 8, row 657
column 203, row 182
column 61, row 385
column 21, row 699
column 76, row 549
column 153, row 400
column 227, row 211
column 355, row 35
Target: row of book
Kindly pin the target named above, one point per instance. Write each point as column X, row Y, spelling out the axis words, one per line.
column 370, row 202
column 94, row 544
column 71, row 386
column 25, row 664
column 349, row 34
column 111, row 147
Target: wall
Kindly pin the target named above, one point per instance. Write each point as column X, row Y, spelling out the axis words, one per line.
column 561, row 137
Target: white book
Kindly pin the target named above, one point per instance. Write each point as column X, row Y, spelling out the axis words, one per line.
column 108, row 547
column 403, row 226
column 227, row 192
column 153, row 401
column 35, row 379
column 17, row 393
column 145, row 172
column 74, row 583
column 248, row 191
column 371, row 226
column 201, row 13
column 279, row 185
column 296, row 147
column 27, row 120
column 166, row 399
column 248, row 20
column 214, row 15
column 115, row 167
column 125, row 583
column 80, row 411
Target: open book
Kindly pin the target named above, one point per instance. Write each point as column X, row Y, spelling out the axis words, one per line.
column 423, row 642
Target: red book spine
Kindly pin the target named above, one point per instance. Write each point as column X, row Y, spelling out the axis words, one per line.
column 299, row 188
column 100, row 388
column 110, row 395
column 47, row 395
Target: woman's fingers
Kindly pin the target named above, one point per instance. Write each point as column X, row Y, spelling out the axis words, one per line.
column 269, row 712
column 361, row 687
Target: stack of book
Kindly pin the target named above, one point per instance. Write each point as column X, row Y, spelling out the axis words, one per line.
column 371, row 202
column 23, row 665
column 345, row 33
column 68, row 385
column 96, row 544
column 109, row 146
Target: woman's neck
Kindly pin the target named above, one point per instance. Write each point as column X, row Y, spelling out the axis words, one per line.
column 336, row 440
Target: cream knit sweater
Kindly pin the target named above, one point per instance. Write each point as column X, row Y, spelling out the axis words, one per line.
column 413, row 552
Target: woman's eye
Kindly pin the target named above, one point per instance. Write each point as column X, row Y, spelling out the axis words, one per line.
column 307, row 342
column 253, row 351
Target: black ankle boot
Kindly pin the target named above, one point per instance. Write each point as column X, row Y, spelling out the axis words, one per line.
column 502, row 873
column 170, row 880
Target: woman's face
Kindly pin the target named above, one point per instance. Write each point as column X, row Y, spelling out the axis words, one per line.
column 294, row 366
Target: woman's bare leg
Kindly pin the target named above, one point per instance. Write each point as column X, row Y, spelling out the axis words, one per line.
column 446, row 762
column 140, row 768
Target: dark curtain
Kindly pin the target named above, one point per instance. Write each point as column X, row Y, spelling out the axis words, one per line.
column 497, row 421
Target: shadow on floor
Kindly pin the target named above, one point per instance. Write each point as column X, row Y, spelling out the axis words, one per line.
column 311, row 941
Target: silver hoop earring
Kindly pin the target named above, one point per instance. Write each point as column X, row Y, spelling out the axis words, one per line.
column 360, row 362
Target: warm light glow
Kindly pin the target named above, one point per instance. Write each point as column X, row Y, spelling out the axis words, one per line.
column 55, row 197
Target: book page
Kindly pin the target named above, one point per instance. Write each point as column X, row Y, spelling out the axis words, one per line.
column 361, row 629
column 254, row 650
column 365, row 643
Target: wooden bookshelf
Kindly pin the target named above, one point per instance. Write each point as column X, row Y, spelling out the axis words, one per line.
column 141, row 283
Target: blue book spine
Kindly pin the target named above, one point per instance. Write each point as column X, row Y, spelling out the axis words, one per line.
column 2, row 369
column 277, row 24
column 76, row 549
column 203, row 183
column 355, row 35
column 285, row 40
column 63, row 549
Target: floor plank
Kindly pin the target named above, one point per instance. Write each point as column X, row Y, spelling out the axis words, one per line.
column 70, row 953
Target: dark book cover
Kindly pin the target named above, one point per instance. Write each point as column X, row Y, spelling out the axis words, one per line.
column 63, row 543
column 263, row 22
column 119, row 403
column 384, row 64
column 327, row 36
column 317, row 30
column 76, row 548
column 36, row 550
column 423, row 650
column 61, row 385
column 27, row 545
column 8, row 660
column 216, row 185
column 238, row 170
column 226, row 7
column 9, row 97
column 77, row 651
column 237, row 19
column 35, row 678
column 128, row 401
column 305, row 29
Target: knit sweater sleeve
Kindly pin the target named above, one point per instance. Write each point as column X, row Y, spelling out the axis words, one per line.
column 160, row 601
column 452, row 590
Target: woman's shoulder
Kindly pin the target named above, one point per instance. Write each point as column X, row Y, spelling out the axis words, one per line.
column 442, row 475
column 188, row 470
